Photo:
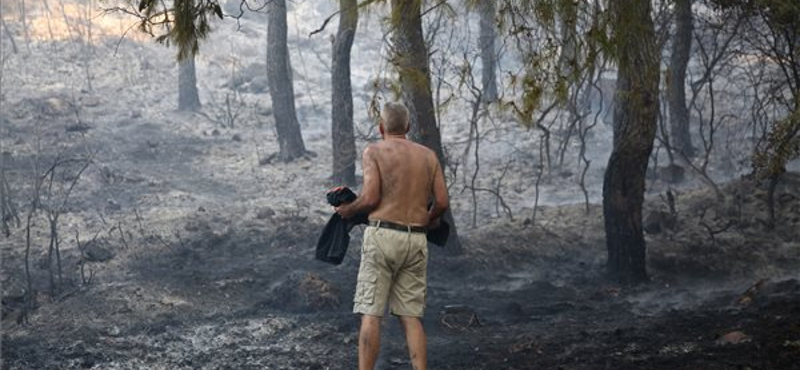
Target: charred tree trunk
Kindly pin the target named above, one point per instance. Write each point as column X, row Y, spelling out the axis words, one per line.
column 344, row 142
column 9, row 35
column 773, row 184
column 281, row 87
column 23, row 15
column 680, row 137
column 188, row 98
column 488, row 34
column 635, row 120
column 411, row 60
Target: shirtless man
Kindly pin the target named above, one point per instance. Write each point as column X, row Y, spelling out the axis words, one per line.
column 400, row 177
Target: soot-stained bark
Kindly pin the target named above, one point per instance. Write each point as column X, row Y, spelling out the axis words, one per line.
column 281, row 87
column 635, row 120
column 342, row 134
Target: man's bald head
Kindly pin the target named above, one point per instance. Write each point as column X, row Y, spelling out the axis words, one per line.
column 395, row 118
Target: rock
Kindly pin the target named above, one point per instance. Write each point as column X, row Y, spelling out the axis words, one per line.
column 172, row 301
column 318, row 293
column 258, row 85
column 13, row 293
column 237, row 138
column 215, row 132
column 264, row 111
column 90, row 101
column 671, row 173
column 195, row 226
column 249, row 79
column 114, row 331
column 656, row 221
column 265, row 213
column 734, row 337
column 792, row 343
column 78, row 127
column 56, row 107
column 397, row 361
column 96, row 253
column 306, row 292
column 112, row 206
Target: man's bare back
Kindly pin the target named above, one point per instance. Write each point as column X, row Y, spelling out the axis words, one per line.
column 399, row 178
column 407, row 171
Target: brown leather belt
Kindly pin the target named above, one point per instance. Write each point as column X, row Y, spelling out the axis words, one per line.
column 398, row 227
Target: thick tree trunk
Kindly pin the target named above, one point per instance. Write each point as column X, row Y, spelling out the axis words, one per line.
column 344, row 142
column 188, row 98
column 680, row 137
column 281, row 88
column 635, row 116
column 488, row 34
column 411, row 61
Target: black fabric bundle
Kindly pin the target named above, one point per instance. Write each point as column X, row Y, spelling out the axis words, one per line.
column 332, row 243
column 340, row 195
column 335, row 238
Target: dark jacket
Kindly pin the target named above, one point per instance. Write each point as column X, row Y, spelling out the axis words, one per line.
column 335, row 237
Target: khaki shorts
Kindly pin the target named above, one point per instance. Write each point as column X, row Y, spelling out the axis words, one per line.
column 394, row 267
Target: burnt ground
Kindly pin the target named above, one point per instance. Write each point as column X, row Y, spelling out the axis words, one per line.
column 521, row 297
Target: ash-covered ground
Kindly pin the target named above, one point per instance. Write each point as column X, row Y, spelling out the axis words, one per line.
column 195, row 255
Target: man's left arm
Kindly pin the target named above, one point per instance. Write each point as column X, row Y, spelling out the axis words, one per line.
column 370, row 195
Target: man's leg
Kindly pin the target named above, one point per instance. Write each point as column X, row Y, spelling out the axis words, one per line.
column 417, row 343
column 369, row 342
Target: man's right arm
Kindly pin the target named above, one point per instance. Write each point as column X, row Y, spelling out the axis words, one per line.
column 370, row 195
column 440, row 198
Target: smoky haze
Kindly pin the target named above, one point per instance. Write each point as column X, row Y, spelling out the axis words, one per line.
column 140, row 235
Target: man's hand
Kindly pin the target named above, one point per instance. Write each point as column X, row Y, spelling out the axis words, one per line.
column 345, row 210
column 433, row 223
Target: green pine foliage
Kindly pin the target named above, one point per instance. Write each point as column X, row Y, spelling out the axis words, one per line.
column 782, row 145
column 185, row 23
column 534, row 28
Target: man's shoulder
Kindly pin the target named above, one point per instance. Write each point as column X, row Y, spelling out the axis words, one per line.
column 430, row 153
column 407, row 146
column 423, row 148
column 372, row 148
